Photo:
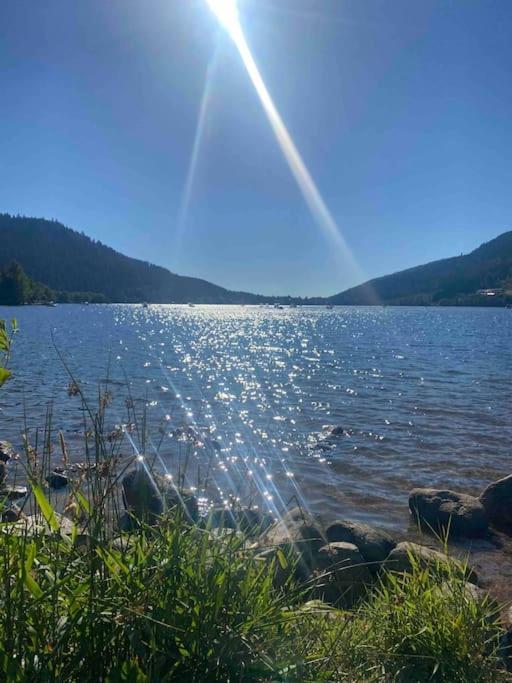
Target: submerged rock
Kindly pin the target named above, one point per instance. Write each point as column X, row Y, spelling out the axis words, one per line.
column 57, row 480
column 148, row 496
column 497, row 501
column 336, row 430
column 341, row 576
column 373, row 544
column 442, row 510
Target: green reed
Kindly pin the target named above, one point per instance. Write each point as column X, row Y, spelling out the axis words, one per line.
column 177, row 602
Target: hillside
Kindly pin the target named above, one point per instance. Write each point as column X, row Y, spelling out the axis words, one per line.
column 448, row 281
column 68, row 261
column 77, row 268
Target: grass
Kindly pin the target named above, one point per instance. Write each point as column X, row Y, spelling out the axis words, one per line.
column 174, row 602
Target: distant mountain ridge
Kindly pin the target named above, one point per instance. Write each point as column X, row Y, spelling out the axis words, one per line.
column 66, row 260
column 70, row 262
column 450, row 281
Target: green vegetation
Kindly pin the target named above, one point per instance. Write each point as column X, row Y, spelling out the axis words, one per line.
column 452, row 281
column 78, row 268
column 173, row 603
column 17, row 289
column 179, row 601
column 6, row 337
column 69, row 261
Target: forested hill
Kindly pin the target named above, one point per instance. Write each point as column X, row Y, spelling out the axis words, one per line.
column 69, row 261
column 448, row 281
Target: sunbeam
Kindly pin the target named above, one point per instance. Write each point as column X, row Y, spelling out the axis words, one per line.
column 194, row 157
column 227, row 13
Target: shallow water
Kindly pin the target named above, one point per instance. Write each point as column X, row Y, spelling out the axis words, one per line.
column 424, row 395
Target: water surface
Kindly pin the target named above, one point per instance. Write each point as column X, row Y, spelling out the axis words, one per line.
column 424, row 396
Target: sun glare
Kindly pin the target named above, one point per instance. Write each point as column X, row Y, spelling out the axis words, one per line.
column 226, row 12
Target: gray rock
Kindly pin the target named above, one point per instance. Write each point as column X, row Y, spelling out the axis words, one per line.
column 441, row 510
column 497, row 501
column 248, row 520
column 341, row 576
column 8, row 493
column 337, row 431
column 299, row 535
column 399, row 560
column 147, row 497
column 57, row 480
column 11, row 514
column 373, row 544
column 36, row 525
column 7, row 452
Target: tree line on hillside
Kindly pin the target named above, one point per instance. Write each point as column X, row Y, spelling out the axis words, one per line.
column 17, row 289
column 73, row 265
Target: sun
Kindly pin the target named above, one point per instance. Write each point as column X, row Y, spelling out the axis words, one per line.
column 226, row 12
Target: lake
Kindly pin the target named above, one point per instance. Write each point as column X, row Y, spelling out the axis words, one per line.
column 424, row 396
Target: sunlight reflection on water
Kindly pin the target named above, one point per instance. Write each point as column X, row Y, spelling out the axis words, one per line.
column 424, row 395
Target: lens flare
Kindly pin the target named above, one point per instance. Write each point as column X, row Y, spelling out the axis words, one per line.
column 227, row 13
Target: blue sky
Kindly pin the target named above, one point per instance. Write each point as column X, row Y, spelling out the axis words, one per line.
column 401, row 110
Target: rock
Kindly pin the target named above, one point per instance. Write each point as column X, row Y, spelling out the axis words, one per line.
column 249, row 520
column 148, row 497
column 299, row 535
column 373, row 544
column 341, row 576
column 126, row 522
column 36, row 525
column 12, row 514
column 336, row 431
column 282, row 574
column 13, row 492
column 3, row 472
column 7, row 452
column 56, row 480
column 399, row 560
column 442, row 510
column 497, row 501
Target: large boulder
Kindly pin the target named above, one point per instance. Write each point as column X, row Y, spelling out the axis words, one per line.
column 340, row 576
column 407, row 555
column 299, row 536
column 147, row 496
column 497, row 501
column 442, row 510
column 373, row 544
